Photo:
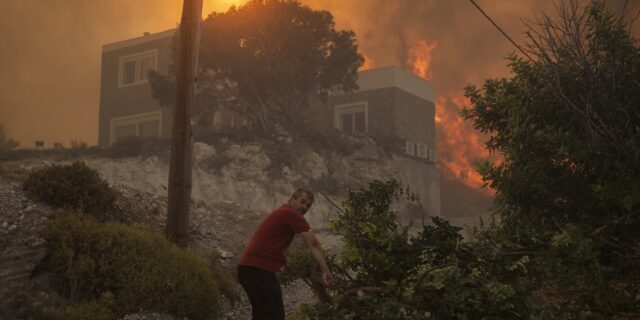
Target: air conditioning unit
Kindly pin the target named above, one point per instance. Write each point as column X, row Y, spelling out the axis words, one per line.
column 423, row 151
column 410, row 148
column 433, row 155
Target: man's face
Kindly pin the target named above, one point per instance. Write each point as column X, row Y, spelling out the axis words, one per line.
column 301, row 204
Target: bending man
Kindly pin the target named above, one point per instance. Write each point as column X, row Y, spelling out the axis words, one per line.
column 265, row 255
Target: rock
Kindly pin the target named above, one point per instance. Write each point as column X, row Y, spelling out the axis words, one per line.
column 314, row 165
column 203, row 151
column 225, row 254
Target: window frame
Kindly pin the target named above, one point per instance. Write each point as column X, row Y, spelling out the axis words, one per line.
column 351, row 108
column 137, row 120
column 137, row 58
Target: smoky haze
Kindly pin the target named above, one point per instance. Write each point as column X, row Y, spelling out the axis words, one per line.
column 463, row 48
column 50, row 61
column 49, row 84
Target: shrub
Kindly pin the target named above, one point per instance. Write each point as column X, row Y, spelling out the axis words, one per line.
column 74, row 186
column 386, row 272
column 75, row 144
column 142, row 270
column 44, row 308
column 227, row 284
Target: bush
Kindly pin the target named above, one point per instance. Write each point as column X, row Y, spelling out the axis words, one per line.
column 44, row 308
column 227, row 284
column 74, row 186
column 386, row 272
column 140, row 269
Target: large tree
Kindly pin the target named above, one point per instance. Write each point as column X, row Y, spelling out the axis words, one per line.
column 568, row 125
column 267, row 58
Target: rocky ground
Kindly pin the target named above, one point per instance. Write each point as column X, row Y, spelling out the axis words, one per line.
column 235, row 184
column 224, row 226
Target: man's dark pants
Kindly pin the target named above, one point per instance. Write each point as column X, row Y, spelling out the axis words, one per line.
column 263, row 291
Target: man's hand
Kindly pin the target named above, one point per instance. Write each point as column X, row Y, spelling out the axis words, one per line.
column 316, row 251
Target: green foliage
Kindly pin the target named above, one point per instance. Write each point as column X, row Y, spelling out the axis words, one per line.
column 300, row 265
column 568, row 190
column 226, row 282
column 140, row 269
column 386, row 271
column 45, row 309
column 276, row 54
column 75, row 186
column 567, row 196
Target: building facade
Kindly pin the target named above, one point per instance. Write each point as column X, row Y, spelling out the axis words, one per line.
column 390, row 102
column 126, row 105
column 393, row 103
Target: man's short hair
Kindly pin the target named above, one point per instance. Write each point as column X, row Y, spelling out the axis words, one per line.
column 296, row 194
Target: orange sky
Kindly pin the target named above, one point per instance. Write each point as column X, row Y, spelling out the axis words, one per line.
column 50, row 62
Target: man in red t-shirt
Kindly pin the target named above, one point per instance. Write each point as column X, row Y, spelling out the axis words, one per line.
column 265, row 255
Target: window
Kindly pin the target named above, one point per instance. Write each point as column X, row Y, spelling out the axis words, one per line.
column 134, row 68
column 125, row 131
column 352, row 117
column 145, row 125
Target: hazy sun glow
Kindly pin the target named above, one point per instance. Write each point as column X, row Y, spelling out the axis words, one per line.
column 209, row 6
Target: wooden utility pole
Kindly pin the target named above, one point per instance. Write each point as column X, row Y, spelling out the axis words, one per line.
column 179, row 197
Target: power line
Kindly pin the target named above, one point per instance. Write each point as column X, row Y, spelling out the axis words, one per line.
column 500, row 29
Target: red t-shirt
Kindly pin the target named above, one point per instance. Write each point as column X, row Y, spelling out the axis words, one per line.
column 266, row 248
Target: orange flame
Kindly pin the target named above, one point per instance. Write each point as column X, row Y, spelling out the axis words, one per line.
column 368, row 63
column 459, row 145
column 420, row 58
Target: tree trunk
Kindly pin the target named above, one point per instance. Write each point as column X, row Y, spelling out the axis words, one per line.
column 179, row 185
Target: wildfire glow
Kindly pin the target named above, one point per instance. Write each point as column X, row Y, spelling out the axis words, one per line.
column 219, row 5
column 420, row 58
column 459, row 145
column 368, row 63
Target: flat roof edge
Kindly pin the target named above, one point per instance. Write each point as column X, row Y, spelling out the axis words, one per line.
column 139, row 40
column 388, row 77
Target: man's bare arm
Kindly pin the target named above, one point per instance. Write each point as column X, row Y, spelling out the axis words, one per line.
column 316, row 251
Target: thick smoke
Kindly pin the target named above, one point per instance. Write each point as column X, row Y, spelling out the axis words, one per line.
column 49, row 84
column 464, row 48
